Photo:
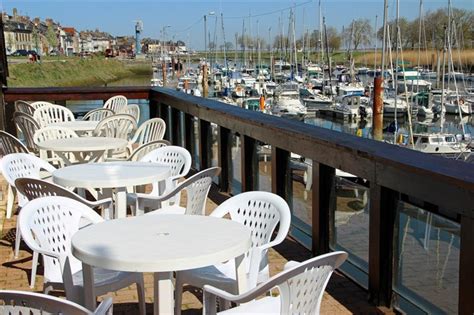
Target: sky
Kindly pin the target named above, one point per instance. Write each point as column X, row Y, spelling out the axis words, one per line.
column 183, row 19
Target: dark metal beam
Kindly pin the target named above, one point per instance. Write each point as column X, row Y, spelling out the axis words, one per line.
column 323, row 190
column 205, row 143
column 249, row 163
column 225, row 158
column 466, row 267
column 382, row 213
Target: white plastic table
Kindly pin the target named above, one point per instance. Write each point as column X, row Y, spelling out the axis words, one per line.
column 161, row 244
column 79, row 126
column 112, row 175
column 84, row 149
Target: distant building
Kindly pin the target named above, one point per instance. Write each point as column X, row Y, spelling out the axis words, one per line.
column 18, row 35
column 71, row 41
column 95, row 41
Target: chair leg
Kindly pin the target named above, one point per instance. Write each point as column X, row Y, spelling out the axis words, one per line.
column 178, row 294
column 17, row 239
column 10, row 201
column 141, row 295
column 34, row 267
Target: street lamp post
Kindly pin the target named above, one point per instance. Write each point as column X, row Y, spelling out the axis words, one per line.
column 205, row 32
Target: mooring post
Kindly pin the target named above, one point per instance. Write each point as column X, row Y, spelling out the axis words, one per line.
column 204, row 80
column 163, row 71
column 378, row 108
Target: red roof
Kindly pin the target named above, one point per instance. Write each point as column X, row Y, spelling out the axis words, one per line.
column 69, row 30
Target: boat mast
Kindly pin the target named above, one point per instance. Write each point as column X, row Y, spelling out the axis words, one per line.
column 225, row 48
column 419, row 45
column 397, row 34
column 294, row 42
column 375, row 46
column 327, row 55
column 443, row 81
column 321, row 46
column 385, row 9
column 451, row 63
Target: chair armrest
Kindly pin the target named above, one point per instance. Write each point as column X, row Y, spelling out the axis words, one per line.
column 105, row 307
column 106, row 203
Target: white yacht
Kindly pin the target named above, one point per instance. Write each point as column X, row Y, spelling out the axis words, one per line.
column 287, row 102
column 444, row 144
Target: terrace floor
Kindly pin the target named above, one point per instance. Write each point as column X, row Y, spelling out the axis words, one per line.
column 341, row 297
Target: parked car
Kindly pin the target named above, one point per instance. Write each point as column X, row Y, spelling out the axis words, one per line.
column 20, row 52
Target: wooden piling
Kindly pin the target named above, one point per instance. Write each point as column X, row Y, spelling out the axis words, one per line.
column 163, row 71
column 378, row 109
column 204, row 80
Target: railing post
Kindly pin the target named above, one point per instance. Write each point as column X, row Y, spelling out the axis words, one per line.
column 225, row 158
column 175, row 126
column 249, row 163
column 189, row 133
column 466, row 266
column 281, row 177
column 382, row 213
column 153, row 108
column 323, row 191
column 205, row 142
column 164, row 114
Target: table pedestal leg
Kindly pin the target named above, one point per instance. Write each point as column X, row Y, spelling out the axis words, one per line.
column 241, row 274
column 163, row 293
column 120, row 197
column 89, row 290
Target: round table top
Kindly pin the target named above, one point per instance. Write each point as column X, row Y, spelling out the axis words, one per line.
column 87, row 144
column 77, row 125
column 110, row 174
column 161, row 243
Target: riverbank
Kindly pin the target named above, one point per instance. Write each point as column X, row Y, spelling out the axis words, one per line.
column 465, row 58
column 75, row 72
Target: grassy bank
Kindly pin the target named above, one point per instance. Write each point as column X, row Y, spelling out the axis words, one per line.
column 427, row 58
column 73, row 72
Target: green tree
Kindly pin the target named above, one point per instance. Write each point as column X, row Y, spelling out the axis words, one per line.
column 51, row 37
column 359, row 32
column 334, row 39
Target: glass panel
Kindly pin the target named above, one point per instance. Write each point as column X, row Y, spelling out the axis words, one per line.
column 264, row 167
column 351, row 224
column 301, row 198
column 215, row 148
column 196, row 140
column 236, row 176
column 426, row 261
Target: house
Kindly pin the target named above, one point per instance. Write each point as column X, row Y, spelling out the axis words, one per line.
column 18, row 34
column 71, row 41
column 95, row 41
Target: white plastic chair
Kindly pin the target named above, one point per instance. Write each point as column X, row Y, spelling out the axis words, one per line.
column 301, row 289
column 10, row 144
column 116, row 103
column 116, row 126
column 48, row 225
column 133, row 110
column 52, row 133
column 50, row 114
column 33, row 188
column 98, row 114
column 144, row 149
column 24, row 107
column 260, row 211
column 21, row 302
column 27, row 125
column 40, row 104
column 178, row 159
column 197, row 188
column 16, row 166
column 151, row 130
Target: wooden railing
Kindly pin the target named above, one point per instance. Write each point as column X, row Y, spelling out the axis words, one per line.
column 438, row 185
